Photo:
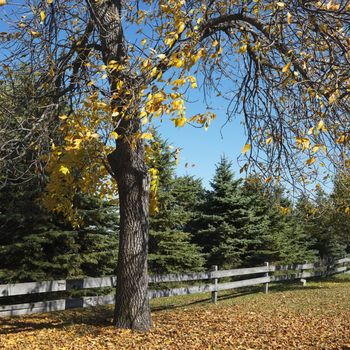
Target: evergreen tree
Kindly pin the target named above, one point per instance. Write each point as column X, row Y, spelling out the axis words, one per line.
column 326, row 221
column 220, row 228
column 263, row 240
column 170, row 247
column 340, row 219
column 36, row 245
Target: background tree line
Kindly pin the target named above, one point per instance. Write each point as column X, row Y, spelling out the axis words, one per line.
column 237, row 222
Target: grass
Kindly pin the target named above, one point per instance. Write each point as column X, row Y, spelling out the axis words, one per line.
column 289, row 317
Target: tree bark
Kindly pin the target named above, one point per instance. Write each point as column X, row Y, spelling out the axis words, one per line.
column 129, row 168
column 132, row 304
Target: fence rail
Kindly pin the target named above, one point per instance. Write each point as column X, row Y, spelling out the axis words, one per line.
column 294, row 272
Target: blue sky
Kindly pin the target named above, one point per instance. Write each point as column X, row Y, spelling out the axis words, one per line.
column 204, row 148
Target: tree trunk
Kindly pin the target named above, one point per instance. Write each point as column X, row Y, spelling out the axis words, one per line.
column 130, row 171
column 132, row 305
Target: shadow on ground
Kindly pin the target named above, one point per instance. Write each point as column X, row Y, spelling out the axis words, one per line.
column 98, row 317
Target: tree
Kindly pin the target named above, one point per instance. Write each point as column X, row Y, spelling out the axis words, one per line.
column 119, row 65
column 340, row 198
column 222, row 225
column 262, row 235
column 326, row 219
column 36, row 245
column 170, row 249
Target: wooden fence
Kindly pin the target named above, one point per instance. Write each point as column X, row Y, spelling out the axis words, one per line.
column 261, row 275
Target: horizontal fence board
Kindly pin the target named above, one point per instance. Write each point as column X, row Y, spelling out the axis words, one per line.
column 56, row 286
column 206, row 288
column 180, row 277
column 343, row 261
column 244, row 283
column 180, row 291
column 295, row 267
column 92, row 282
column 338, row 270
column 55, row 305
column 286, row 277
column 95, row 282
column 306, row 274
column 32, row 287
column 31, row 308
column 242, row 272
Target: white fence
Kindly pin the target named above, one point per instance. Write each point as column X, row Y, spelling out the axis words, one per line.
column 263, row 275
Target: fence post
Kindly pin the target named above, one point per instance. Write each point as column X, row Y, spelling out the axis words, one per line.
column 302, row 279
column 266, row 285
column 214, row 294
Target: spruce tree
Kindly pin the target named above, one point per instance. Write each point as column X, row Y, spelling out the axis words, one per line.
column 326, row 221
column 170, row 247
column 220, row 228
column 263, row 240
column 36, row 245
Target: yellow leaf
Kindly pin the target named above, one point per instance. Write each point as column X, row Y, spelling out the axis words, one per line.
column 34, row 34
column 49, row 1
column 215, row 43
column 289, row 18
column 286, row 68
column 154, row 72
column 181, row 27
column 280, row 4
column 114, row 134
column 321, row 126
column 268, row 179
column 311, row 161
column 147, row 136
column 64, row 170
column 63, row 117
column 243, row 48
column 180, row 122
column 193, row 82
column 42, row 16
column 332, row 98
column 246, row 148
column 3, row 2
column 143, row 41
column 269, row 140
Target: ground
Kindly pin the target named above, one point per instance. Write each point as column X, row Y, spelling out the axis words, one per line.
column 289, row 317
